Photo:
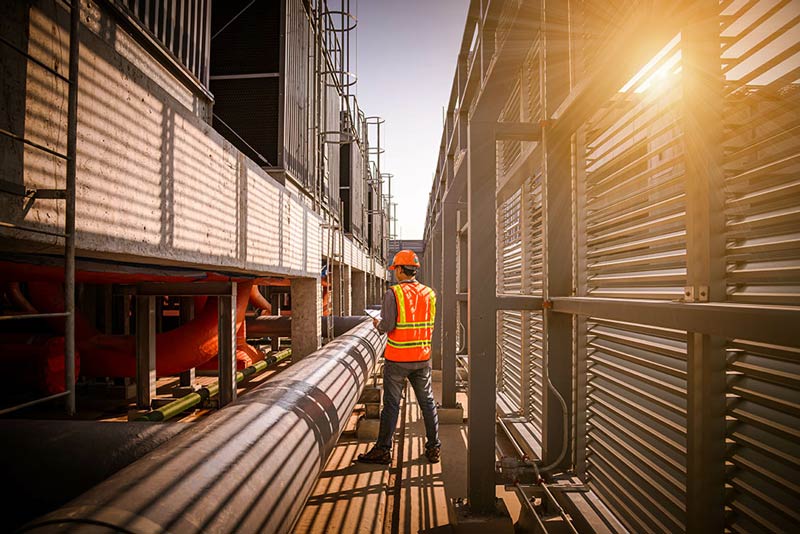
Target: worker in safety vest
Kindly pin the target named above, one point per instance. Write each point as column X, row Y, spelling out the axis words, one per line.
column 407, row 317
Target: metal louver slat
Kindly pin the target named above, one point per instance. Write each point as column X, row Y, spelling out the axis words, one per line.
column 635, row 204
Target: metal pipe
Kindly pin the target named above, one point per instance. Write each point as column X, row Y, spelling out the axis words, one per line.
column 247, row 468
column 52, row 462
column 172, row 409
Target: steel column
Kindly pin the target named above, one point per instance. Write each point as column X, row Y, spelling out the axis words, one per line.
column 187, row 314
column 705, row 267
column 557, row 230
column 145, row 351
column 447, row 306
column 463, row 260
column 69, row 215
column 435, row 260
column 482, row 323
column 227, row 346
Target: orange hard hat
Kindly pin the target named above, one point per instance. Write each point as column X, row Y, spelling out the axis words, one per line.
column 406, row 257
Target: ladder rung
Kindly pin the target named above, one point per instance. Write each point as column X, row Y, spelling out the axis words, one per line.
column 33, row 316
column 34, row 230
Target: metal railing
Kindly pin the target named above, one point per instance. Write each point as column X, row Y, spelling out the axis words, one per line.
column 68, row 195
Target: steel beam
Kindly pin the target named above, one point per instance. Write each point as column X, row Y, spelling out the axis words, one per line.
column 776, row 325
column 557, row 227
column 519, row 302
column 184, row 289
column 226, row 308
column 187, row 314
column 435, row 260
column 703, row 100
column 145, row 351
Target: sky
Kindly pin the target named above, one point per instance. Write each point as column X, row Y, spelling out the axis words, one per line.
column 405, row 54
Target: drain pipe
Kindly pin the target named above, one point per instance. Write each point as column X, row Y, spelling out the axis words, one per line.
column 176, row 407
column 246, row 468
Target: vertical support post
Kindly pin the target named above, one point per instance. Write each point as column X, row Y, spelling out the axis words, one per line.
column 226, row 310
column 557, row 183
column 447, row 307
column 525, row 320
column 581, row 283
column 359, row 282
column 482, row 309
column 435, row 260
column 347, row 289
column 306, row 311
column 703, row 100
column 187, row 314
column 69, row 216
column 336, row 284
column 145, row 351
column 463, row 263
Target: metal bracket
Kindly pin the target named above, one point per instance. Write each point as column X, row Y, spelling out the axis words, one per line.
column 695, row 294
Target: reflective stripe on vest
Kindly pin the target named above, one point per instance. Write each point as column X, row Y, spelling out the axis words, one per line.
column 410, row 341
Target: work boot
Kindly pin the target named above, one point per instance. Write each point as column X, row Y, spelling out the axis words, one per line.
column 432, row 454
column 376, row 455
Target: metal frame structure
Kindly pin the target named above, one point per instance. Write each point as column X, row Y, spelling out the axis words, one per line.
column 632, row 251
column 68, row 195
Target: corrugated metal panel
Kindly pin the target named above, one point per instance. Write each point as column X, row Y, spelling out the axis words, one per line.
column 635, row 206
column 636, row 443
column 762, row 151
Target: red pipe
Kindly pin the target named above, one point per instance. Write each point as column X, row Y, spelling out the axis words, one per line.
column 190, row 345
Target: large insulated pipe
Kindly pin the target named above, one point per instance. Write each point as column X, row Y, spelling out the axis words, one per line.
column 52, row 462
column 247, row 468
column 274, row 325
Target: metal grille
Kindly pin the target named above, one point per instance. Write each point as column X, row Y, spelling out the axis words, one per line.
column 762, row 151
column 535, row 367
column 636, row 420
column 511, row 357
column 510, row 324
column 534, row 259
column 763, row 452
column 511, row 244
column 510, row 151
column 635, row 206
column 182, row 26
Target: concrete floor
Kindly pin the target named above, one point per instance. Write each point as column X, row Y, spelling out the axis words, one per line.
column 410, row 496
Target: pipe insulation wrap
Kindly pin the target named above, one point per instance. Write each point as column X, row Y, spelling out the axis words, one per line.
column 247, row 468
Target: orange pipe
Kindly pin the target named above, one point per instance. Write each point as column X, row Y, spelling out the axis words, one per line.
column 187, row 346
column 257, row 300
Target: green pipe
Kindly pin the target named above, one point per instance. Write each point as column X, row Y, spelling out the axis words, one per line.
column 175, row 407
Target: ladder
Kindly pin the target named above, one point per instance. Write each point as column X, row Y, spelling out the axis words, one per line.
column 67, row 194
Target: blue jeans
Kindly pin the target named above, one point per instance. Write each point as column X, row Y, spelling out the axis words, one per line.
column 394, row 379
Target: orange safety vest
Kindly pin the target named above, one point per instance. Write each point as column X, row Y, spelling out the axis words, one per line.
column 410, row 341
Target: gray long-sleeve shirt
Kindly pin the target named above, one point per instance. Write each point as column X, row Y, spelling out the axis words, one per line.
column 389, row 322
